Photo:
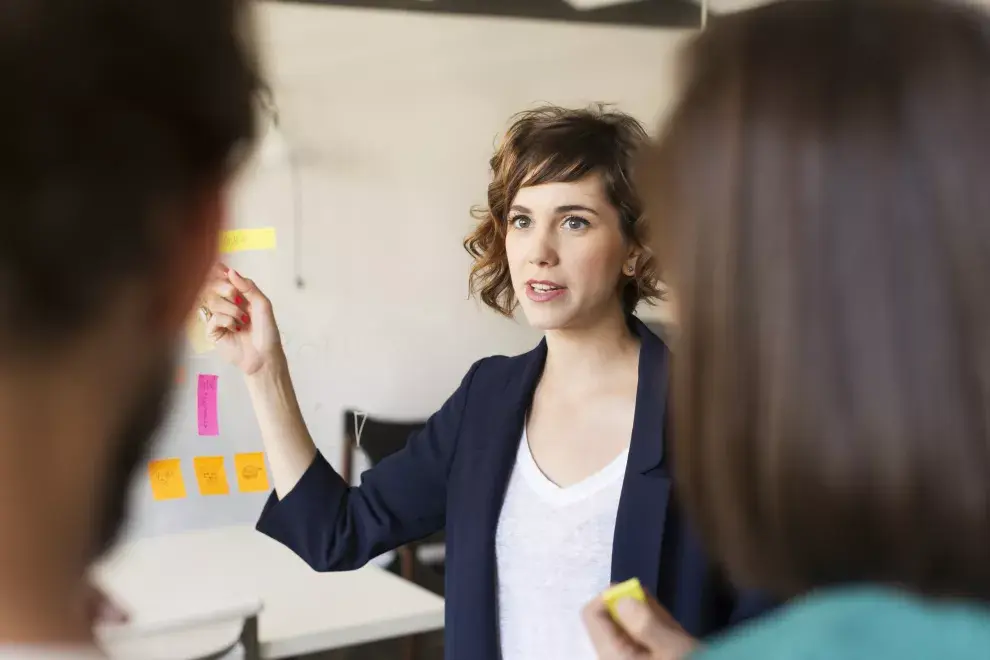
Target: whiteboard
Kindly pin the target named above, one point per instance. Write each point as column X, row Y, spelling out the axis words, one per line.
column 263, row 196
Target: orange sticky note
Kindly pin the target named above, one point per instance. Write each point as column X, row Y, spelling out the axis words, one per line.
column 211, row 475
column 166, row 479
column 252, row 477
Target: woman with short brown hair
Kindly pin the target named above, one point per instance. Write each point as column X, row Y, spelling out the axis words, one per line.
column 548, row 470
column 823, row 216
column 556, row 145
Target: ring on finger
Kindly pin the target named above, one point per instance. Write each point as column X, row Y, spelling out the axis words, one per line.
column 204, row 313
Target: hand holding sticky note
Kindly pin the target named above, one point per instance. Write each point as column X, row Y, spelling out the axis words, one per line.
column 628, row 589
column 646, row 623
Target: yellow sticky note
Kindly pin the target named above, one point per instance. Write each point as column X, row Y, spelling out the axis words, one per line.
column 196, row 334
column 628, row 589
column 211, row 475
column 239, row 240
column 166, row 479
column 252, row 476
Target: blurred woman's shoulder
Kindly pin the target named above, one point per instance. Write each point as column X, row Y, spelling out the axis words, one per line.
column 861, row 623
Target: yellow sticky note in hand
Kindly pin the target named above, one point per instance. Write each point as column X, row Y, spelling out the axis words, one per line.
column 252, row 477
column 196, row 334
column 241, row 240
column 166, row 479
column 628, row 589
column 211, row 475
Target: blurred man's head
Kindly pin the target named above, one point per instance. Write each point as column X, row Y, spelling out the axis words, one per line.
column 121, row 123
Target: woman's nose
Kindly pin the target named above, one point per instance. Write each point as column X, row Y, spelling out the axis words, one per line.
column 543, row 251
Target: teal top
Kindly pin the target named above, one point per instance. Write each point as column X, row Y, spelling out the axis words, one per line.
column 860, row 623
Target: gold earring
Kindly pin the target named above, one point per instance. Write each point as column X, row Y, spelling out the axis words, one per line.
column 630, row 270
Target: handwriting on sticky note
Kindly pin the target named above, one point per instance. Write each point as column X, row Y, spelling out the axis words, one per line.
column 206, row 405
column 241, row 240
column 252, row 477
column 165, row 476
column 211, row 475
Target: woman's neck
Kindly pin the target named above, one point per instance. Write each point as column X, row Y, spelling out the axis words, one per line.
column 590, row 351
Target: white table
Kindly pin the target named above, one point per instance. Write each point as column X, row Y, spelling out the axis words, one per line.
column 179, row 581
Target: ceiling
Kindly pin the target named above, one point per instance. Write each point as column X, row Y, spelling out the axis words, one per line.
column 654, row 13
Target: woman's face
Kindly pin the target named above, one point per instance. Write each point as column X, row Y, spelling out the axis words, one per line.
column 566, row 253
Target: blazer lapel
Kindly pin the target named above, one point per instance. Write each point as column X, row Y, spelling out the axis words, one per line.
column 642, row 513
column 489, row 466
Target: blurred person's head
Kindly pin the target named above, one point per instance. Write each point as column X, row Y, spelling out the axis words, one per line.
column 120, row 125
column 562, row 235
column 822, row 216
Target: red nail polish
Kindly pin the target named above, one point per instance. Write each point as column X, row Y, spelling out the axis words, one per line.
column 245, row 318
column 238, row 328
column 237, row 300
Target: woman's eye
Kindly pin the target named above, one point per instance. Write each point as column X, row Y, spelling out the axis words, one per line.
column 575, row 223
column 521, row 222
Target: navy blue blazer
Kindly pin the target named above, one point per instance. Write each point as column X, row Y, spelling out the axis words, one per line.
column 453, row 474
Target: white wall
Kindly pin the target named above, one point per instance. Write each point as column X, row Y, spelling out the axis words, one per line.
column 394, row 117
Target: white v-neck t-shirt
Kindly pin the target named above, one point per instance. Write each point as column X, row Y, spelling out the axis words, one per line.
column 553, row 550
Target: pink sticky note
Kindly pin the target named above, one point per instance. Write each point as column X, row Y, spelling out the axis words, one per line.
column 206, row 405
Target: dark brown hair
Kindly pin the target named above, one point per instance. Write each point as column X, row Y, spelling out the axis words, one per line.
column 114, row 114
column 552, row 144
column 821, row 202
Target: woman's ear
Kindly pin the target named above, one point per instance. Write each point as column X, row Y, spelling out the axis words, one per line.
column 631, row 265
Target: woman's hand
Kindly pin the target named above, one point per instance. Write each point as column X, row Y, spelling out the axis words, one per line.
column 645, row 631
column 240, row 321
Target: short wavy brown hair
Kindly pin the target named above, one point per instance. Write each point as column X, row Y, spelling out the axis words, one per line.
column 552, row 144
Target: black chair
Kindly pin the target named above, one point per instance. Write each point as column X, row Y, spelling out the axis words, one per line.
column 380, row 438
column 420, row 561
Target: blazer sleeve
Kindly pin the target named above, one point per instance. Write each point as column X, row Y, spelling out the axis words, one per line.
column 333, row 526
